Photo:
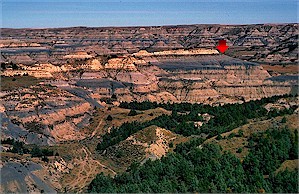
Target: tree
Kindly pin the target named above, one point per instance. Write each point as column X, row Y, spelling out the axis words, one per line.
column 219, row 137
column 239, row 150
column 132, row 112
column 284, row 120
column 231, row 135
column 171, row 144
column 36, row 152
column 45, row 159
column 80, row 71
column 109, row 118
column 114, row 96
column 18, row 147
column 14, row 66
column 3, row 66
column 240, row 133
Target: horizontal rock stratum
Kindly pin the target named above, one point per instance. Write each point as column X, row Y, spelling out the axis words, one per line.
column 256, row 42
column 62, row 87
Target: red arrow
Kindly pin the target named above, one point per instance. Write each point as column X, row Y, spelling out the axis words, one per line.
column 222, row 46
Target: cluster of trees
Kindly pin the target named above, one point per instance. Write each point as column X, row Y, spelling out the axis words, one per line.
column 185, row 106
column 9, row 65
column 38, row 152
column 275, row 112
column 132, row 112
column 207, row 169
column 226, row 118
column 270, row 149
column 17, row 147
column 116, row 135
column 20, row 148
column 42, row 153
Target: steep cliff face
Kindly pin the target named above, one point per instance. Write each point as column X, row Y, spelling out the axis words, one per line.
column 177, row 78
column 211, row 78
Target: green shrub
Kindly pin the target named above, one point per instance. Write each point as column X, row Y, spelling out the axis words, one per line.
column 171, row 144
column 119, row 153
column 45, row 159
column 284, row 120
column 240, row 133
column 114, row 96
column 132, row 112
column 231, row 135
column 219, row 137
column 109, row 118
column 36, row 152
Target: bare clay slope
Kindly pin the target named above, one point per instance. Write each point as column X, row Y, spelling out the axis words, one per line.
column 210, row 79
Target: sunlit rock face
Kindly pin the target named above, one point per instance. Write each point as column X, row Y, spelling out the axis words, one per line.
column 184, row 78
column 81, row 68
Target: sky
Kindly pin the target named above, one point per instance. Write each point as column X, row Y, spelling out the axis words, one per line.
column 98, row 13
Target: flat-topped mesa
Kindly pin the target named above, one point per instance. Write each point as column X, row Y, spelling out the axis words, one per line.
column 78, row 55
column 197, row 51
column 15, row 43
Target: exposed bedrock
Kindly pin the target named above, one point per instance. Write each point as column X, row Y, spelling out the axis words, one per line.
column 204, row 79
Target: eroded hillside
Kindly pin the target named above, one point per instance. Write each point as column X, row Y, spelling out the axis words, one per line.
column 76, row 102
column 271, row 43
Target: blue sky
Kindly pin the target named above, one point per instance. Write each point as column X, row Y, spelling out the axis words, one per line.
column 65, row 13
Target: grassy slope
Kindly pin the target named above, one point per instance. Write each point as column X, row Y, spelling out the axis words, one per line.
column 144, row 144
column 100, row 125
column 234, row 143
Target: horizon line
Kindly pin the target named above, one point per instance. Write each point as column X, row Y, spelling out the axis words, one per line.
column 166, row 25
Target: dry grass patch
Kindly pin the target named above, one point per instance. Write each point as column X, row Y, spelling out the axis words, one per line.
column 151, row 142
column 100, row 125
column 15, row 82
column 291, row 165
column 120, row 115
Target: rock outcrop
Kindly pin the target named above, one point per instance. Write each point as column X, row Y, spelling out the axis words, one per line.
column 210, row 79
column 44, row 115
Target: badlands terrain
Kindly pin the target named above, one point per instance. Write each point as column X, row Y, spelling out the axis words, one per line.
column 60, row 85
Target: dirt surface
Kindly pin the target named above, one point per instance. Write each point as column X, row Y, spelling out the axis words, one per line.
column 84, row 171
